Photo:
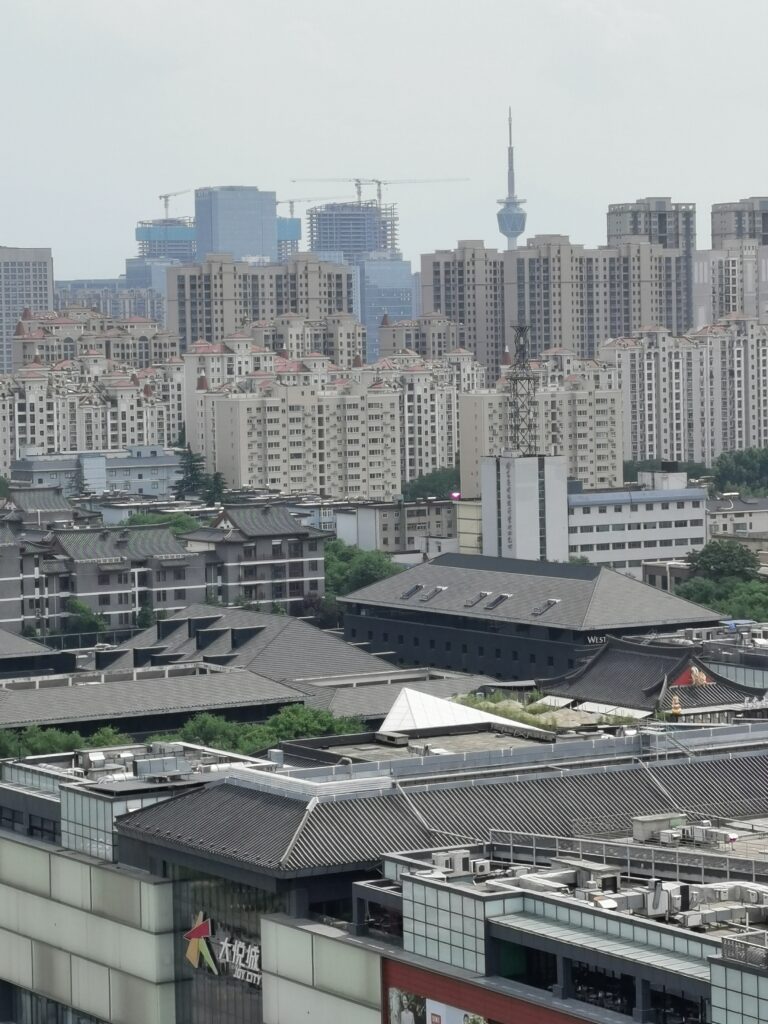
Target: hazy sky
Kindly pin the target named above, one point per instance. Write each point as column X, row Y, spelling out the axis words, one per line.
column 106, row 104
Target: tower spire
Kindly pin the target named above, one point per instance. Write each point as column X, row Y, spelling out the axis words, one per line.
column 511, row 216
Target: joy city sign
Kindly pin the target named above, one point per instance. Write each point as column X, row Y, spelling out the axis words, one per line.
column 221, row 953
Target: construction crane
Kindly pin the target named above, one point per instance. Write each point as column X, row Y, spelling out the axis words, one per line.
column 309, row 199
column 380, row 182
column 166, row 196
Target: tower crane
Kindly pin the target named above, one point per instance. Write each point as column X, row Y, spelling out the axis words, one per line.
column 308, row 199
column 166, row 196
column 380, row 182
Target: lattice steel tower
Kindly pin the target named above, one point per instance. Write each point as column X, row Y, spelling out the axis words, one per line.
column 520, row 382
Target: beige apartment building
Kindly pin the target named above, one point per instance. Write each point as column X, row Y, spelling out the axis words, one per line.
column 572, row 297
column 693, row 397
column 214, row 299
column 340, row 337
column 466, row 285
column 578, row 416
column 430, row 336
column 729, row 280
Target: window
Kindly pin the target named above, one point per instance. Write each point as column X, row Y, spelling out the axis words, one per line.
column 103, row 580
column 104, row 600
column 43, row 828
column 179, row 574
column 11, row 819
column 162, row 595
column 179, row 595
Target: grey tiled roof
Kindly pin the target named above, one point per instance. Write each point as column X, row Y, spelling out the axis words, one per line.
column 285, row 648
column 587, row 597
column 269, row 831
column 120, row 542
column 45, row 499
column 267, row 521
column 11, row 645
column 145, row 695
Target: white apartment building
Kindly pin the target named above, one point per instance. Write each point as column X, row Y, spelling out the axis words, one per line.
column 579, row 416
column 689, row 398
column 26, row 282
column 301, row 426
column 430, row 336
column 572, row 297
column 214, row 299
column 53, row 337
column 88, row 406
column 624, row 528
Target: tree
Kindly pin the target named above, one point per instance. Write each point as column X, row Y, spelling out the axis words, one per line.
column 108, row 736
column 347, row 568
column 215, row 489
column 81, row 619
column 441, row 483
column 745, row 471
column 146, row 617
column 193, row 475
column 733, row 598
column 722, row 559
column 179, row 522
column 5, row 488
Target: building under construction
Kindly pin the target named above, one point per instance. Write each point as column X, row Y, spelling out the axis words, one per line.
column 353, row 229
column 170, row 238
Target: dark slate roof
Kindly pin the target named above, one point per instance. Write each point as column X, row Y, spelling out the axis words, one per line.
column 44, row 499
column 145, row 695
column 246, row 826
column 622, row 673
column 628, row 674
column 284, row 648
column 7, row 536
column 587, row 597
column 266, row 521
column 212, row 535
column 119, row 542
column 12, row 645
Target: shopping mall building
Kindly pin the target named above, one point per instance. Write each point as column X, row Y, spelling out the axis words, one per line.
column 605, row 879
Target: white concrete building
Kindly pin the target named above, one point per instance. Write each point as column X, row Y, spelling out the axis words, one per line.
column 689, row 398
column 397, row 526
column 525, row 507
column 662, row 519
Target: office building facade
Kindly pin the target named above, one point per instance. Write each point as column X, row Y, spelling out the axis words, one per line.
column 240, row 220
column 26, row 282
column 385, row 291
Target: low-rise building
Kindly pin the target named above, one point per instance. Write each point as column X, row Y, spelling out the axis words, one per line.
column 261, row 554
column 737, row 517
column 397, row 526
column 139, row 469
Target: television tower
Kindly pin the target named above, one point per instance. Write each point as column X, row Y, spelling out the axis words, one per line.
column 511, row 216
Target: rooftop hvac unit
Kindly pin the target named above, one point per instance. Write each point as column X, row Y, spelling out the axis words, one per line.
column 480, row 867
column 443, row 861
column 392, row 739
column 460, row 861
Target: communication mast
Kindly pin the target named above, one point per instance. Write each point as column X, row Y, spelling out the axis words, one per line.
column 520, row 382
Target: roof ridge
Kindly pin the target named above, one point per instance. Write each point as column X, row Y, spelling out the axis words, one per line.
column 295, row 837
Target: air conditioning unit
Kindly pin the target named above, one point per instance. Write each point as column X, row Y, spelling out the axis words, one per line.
column 480, row 867
column 460, row 861
column 442, row 861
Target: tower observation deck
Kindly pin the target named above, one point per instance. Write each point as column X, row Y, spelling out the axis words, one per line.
column 511, row 216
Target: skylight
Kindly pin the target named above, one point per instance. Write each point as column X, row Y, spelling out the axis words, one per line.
column 499, row 599
column 549, row 603
column 411, row 591
column 477, row 599
column 432, row 593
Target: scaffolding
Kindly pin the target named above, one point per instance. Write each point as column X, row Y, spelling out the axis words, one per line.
column 354, row 229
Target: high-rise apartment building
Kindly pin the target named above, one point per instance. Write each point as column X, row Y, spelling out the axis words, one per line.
column 661, row 222
column 746, row 219
column 574, row 298
column 466, row 285
column 354, row 229
column 732, row 280
column 213, row 299
column 578, row 417
column 26, row 282
column 429, row 336
column 237, row 219
column 690, row 398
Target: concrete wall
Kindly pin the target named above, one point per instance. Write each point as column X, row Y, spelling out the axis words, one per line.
column 88, row 935
column 314, row 972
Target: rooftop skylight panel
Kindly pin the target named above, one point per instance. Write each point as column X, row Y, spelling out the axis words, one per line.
column 499, row 599
column 477, row 598
column 411, row 591
column 432, row 593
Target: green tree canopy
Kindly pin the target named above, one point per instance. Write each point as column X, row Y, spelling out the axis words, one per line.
column 193, row 475
column 81, row 619
column 347, row 568
column 215, row 489
column 745, row 471
column 179, row 522
column 438, row 484
column 722, row 559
